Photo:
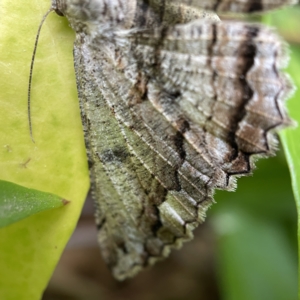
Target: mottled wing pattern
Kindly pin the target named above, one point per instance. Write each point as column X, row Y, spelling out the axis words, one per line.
column 149, row 194
column 219, row 85
column 170, row 113
column 232, row 5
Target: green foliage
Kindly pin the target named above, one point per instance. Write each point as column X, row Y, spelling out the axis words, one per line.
column 290, row 138
column 17, row 202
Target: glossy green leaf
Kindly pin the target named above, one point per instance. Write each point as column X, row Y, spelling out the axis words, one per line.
column 288, row 22
column 56, row 163
column 291, row 137
column 18, row 202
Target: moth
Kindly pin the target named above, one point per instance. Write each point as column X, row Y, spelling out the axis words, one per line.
column 174, row 104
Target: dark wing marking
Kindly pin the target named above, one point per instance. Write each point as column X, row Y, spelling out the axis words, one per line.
column 238, row 6
column 224, row 81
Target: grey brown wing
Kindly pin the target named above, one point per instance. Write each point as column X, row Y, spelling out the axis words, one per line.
column 238, row 6
column 220, row 86
column 169, row 115
column 144, row 203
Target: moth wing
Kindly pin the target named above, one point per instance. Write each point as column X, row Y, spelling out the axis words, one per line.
column 163, row 127
column 221, row 87
column 144, row 203
column 237, row 6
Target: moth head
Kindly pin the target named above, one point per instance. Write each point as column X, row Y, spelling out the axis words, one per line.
column 90, row 12
column 57, row 6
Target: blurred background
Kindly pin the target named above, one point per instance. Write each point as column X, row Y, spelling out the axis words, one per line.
column 246, row 249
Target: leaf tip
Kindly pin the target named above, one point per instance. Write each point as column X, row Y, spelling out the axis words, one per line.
column 65, row 202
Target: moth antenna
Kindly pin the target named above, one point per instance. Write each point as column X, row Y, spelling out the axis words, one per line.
column 31, row 71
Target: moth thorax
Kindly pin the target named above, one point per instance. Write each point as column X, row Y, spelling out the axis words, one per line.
column 112, row 13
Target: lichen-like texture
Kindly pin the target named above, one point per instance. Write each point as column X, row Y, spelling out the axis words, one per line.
column 175, row 104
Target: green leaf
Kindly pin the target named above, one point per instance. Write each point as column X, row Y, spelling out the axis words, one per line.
column 290, row 137
column 56, row 163
column 17, row 202
column 288, row 21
